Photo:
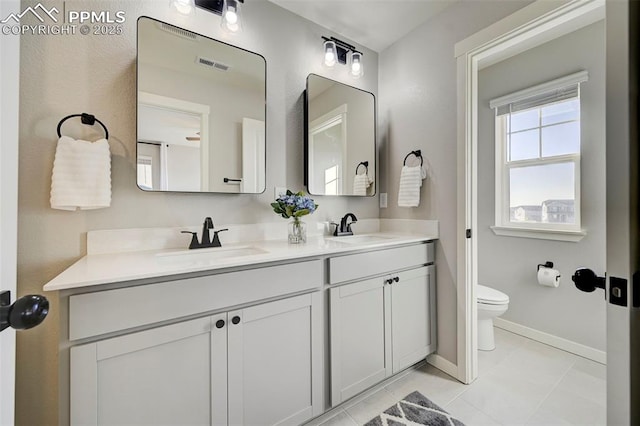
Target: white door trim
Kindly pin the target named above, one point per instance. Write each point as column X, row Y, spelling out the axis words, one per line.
column 529, row 27
column 9, row 103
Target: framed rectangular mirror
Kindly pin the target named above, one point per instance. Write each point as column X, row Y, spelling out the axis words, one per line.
column 340, row 139
column 201, row 113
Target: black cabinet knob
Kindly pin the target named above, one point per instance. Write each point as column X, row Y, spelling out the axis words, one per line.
column 235, row 319
column 389, row 281
column 219, row 323
column 396, row 279
column 24, row 313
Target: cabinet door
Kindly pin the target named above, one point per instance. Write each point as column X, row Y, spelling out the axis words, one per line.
column 275, row 362
column 158, row 376
column 360, row 328
column 412, row 316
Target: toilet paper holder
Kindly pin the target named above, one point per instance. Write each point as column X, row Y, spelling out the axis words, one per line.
column 547, row 264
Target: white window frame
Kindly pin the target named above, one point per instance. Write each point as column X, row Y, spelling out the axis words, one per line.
column 503, row 225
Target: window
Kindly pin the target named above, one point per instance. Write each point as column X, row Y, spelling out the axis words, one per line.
column 145, row 172
column 538, row 158
column 331, row 181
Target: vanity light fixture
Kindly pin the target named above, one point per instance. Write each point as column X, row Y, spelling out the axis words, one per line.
column 337, row 51
column 184, row 7
column 229, row 10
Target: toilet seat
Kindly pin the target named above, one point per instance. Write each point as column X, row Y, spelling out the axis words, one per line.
column 490, row 296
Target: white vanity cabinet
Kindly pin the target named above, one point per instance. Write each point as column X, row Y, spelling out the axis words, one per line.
column 260, row 364
column 380, row 325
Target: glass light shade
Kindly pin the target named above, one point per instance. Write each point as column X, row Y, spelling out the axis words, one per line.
column 231, row 16
column 357, row 69
column 184, row 7
column 330, row 53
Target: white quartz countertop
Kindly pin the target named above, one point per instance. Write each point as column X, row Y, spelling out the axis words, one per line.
column 108, row 268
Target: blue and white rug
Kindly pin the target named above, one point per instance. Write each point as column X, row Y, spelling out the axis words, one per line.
column 414, row 409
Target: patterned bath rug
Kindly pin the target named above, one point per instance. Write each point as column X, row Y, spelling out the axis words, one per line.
column 414, row 409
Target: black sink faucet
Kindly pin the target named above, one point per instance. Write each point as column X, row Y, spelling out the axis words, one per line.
column 345, row 227
column 205, row 241
column 208, row 224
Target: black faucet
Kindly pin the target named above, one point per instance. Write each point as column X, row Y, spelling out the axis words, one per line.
column 345, row 227
column 205, row 241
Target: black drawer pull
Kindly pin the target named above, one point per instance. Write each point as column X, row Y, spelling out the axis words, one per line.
column 219, row 323
column 235, row 319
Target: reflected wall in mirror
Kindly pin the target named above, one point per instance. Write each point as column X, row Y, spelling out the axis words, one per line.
column 201, row 113
column 340, row 136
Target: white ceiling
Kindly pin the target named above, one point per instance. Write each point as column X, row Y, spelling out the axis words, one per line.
column 375, row 24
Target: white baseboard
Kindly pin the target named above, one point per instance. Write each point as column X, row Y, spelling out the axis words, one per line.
column 551, row 340
column 443, row 364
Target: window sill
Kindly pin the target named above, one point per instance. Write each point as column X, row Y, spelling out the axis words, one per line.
column 540, row 234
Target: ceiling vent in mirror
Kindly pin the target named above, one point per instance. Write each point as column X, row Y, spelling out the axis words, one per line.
column 178, row 31
column 210, row 63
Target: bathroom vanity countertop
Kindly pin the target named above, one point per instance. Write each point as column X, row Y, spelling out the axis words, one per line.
column 100, row 269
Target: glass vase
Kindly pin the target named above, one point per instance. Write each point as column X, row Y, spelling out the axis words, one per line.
column 297, row 231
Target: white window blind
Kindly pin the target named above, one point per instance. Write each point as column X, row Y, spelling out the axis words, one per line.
column 558, row 90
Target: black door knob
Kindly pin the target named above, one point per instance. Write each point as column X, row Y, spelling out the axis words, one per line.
column 219, row 323
column 235, row 319
column 396, row 279
column 24, row 313
column 586, row 280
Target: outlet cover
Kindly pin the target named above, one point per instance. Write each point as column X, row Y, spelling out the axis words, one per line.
column 383, row 200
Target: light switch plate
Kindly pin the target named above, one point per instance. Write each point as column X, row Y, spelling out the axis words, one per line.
column 383, row 200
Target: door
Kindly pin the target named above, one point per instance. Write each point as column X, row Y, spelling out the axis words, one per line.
column 275, row 362
column 9, row 101
column 360, row 328
column 174, row 374
column 623, row 334
column 412, row 323
column 253, row 156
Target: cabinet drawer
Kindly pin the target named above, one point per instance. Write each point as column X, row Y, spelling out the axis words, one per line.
column 361, row 265
column 108, row 311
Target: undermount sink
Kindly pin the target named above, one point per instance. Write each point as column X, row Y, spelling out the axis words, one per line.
column 210, row 254
column 361, row 239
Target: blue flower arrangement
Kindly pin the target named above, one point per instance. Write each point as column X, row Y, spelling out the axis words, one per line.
column 294, row 205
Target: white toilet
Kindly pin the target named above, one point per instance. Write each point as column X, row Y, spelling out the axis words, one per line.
column 491, row 303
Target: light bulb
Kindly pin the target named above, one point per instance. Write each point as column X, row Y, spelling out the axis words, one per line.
column 231, row 19
column 184, row 7
column 356, row 64
column 330, row 53
column 231, row 16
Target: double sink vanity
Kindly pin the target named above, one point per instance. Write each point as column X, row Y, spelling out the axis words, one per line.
column 253, row 332
column 260, row 332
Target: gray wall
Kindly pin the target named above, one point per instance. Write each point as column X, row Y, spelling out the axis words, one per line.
column 509, row 264
column 68, row 74
column 418, row 111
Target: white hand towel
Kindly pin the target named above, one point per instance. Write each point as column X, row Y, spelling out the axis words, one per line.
column 361, row 183
column 81, row 176
column 410, row 183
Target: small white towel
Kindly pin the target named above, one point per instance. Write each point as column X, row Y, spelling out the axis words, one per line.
column 81, row 177
column 410, row 183
column 361, row 183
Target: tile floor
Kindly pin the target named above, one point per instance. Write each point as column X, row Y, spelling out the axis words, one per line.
column 521, row 382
